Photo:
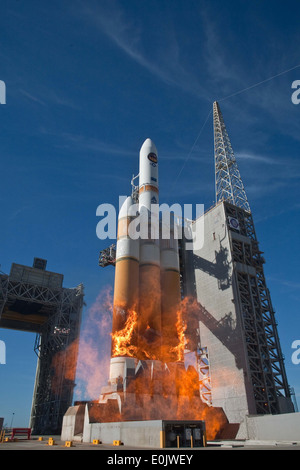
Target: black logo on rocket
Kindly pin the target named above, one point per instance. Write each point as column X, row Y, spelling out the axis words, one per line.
column 152, row 157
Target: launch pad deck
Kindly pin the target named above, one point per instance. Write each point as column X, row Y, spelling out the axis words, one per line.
column 35, row 444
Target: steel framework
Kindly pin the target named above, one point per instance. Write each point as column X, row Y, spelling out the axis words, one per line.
column 203, row 369
column 228, row 182
column 265, row 358
column 56, row 345
column 107, row 257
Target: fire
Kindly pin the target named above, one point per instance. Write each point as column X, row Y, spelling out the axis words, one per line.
column 164, row 390
column 128, row 342
column 122, row 340
column 181, row 328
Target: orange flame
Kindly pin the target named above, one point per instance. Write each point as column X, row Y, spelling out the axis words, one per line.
column 123, row 341
column 174, row 395
column 181, row 328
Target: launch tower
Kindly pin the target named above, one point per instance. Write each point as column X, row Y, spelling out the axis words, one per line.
column 238, row 330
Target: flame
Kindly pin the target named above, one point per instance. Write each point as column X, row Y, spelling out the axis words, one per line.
column 122, row 340
column 127, row 341
column 172, row 392
column 181, row 328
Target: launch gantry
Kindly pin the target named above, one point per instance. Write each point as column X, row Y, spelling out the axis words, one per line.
column 264, row 355
column 107, row 257
column 33, row 299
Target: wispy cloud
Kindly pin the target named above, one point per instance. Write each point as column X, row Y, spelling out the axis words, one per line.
column 20, row 211
column 32, row 97
column 165, row 60
column 80, row 142
column 60, row 100
column 291, row 285
column 221, row 70
column 259, row 81
column 252, row 157
column 48, row 97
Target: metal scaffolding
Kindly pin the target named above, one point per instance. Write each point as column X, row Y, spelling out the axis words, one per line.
column 203, row 370
column 29, row 302
column 107, row 257
column 265, row 358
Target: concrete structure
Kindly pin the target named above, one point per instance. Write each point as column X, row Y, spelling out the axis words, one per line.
column 81, row 424
column 283, row 427
column 220, row 327
column 73, row 423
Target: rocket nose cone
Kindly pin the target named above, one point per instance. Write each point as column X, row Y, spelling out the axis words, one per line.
column 148, row 147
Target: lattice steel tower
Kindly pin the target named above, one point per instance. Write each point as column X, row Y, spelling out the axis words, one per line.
column 263, row 355
column 34, row 299
column 228, row 182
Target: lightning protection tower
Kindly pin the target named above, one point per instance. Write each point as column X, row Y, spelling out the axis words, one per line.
column 228, row 182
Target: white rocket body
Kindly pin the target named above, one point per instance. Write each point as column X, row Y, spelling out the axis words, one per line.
column 148, row 175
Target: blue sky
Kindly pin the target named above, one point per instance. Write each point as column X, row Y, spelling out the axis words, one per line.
column 88, row 81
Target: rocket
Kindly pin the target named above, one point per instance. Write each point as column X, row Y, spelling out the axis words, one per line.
column 147, row 276
column 149, row 318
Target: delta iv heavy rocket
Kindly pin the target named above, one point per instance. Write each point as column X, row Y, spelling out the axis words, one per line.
column 147, row 278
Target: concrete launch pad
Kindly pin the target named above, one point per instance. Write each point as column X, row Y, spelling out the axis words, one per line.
column 149, row 434
column 80, row 424
column 132, row 451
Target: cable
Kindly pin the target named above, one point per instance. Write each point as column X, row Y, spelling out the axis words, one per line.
column 258, row 83
column 223, row 99
column 192, row 148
